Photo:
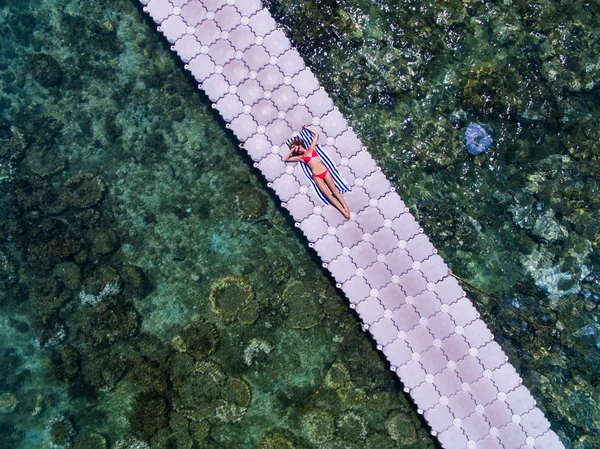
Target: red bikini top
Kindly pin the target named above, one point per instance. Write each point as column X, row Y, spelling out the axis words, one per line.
column 308, row 158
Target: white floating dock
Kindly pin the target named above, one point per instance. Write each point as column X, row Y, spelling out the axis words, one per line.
column 447, row 359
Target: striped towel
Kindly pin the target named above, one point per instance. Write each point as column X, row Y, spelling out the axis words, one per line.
column 306, row 137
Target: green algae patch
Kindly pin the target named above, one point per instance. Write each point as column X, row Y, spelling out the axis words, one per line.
column 232, row 298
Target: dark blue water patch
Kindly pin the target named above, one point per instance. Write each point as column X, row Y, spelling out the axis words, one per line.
column 478, row 138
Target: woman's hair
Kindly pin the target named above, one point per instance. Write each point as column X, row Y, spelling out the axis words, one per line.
column 297, row 141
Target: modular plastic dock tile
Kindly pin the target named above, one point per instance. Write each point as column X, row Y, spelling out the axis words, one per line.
column 349, row 234
column 318, row 103
column 455, row 347
column 453, row 438
column 506, row 378
column 363, row 254
column 284, row 98
column 305, row 84
column 187, row 47
column 447, row 382
column 334, row 124
column 490, row 442
column 158, row 9
column 356, row 289
column 271, row 166
column 286, row 187
column 243, row 126
column 264, row 112
column 391, row 206
column 419, row 247
column 398, row 261
column 461, row 404
column 534, row 423
column 389, row 270
column 348, row 144
column 497, row 414
column 405, row 227
column 221, row 52
column 298, row 116
column 262, row 23
column 250, row 92
column 313, row 227
column 248, row 8
column 449, row 290
column 520, row 400
column 434, row 360
column 512, row 436
column 207, row 32
column 362, row 164
column 439, row 417
column 492, row 356
column 469, row 369
column 463, row 312
column 369, row 310
column 483, row 391
column 475, row 427
column 434, row 269
column 392, row 296
column 405, row 317
column 369, row 219
column 357, row 199
column 258, row 147
column 215, row 86
column 441, row 326
column 300, row 207
column 278, row 132
column 270, row 78
column 397, row 352
column 548, row 441
column 236, row 72
column 419, row 339
column 427, row 304
column 230, row 106
column 228, row 18
column 384, row 332
column 376, row 185
column 193, row 13
column 241, row 37
column 384, row 240
column 477, row 334
column 328, row 248
column 276, row 43
column 173, row 28
column 290, row 63
column 377, row 275
column 413, row 282
column 256, row 57
column 214, row 5
column 425, row 396
column 201, row 67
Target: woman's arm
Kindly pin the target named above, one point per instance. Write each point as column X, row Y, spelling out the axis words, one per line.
column 315, row 138
column 290, row 158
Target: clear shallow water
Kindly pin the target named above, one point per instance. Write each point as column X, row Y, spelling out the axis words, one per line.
column 144, row 302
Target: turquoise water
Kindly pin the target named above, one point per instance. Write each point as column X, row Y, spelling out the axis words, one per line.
column 153, row 294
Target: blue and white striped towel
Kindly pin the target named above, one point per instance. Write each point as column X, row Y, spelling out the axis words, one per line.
column 306, row 137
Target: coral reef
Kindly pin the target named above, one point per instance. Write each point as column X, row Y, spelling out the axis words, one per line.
column 303, row 310
column 318, row 425
column 84, row 190
column 45, row 70
column 232, row 298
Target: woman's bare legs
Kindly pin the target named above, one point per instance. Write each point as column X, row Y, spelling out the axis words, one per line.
column 336, row 192
column 331, row 197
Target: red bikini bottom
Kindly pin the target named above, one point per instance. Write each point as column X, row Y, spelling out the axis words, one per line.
column 321, row 175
